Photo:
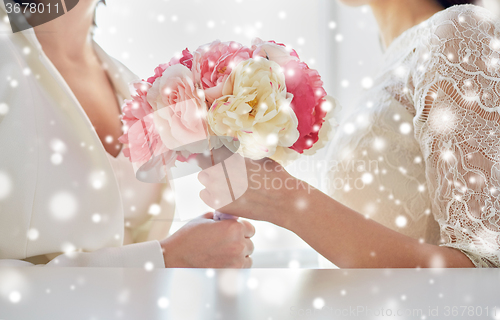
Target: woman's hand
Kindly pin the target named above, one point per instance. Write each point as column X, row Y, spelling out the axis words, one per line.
column 205, row 243
column 337, row 232
column 261, row 189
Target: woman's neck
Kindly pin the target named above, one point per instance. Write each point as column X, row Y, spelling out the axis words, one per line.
column 396, row 16
column 69, row 36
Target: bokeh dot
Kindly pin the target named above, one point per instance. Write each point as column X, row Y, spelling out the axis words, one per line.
column 15, row 297
column 63, row 205
column 318, row 303
column 163, row 303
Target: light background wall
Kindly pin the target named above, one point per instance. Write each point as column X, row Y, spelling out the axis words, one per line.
column 341, row 42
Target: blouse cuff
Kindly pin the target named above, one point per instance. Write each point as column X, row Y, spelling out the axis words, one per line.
column 135, row 255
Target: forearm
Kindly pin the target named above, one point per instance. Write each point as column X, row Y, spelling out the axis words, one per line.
column 350, row 240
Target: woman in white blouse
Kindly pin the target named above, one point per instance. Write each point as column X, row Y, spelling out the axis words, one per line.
column 414, row 178
column 68, row 196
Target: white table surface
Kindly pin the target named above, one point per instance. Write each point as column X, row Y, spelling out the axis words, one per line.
column 85, row 293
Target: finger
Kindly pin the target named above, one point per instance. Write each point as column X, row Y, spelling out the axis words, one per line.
column 248, row 228
column 206, row 197
column 219, row 195
column 208, row 215
column 204, row 178
column 248, row 262
column 237, row 175
column 249, row 247
column 211, row 175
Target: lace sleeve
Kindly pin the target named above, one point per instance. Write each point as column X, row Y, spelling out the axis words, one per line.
column 457, row 123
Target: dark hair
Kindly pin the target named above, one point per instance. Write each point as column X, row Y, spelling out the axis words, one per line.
column 451, row 3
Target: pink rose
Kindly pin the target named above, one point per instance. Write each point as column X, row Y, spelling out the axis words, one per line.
column 213, row 63
column 308, row 96
column 186, row 60
column 179, row 109
column 273, row 51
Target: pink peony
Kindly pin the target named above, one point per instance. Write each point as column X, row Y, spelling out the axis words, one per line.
column 186, row 60
column 158, row 72
column 179, row 109
column 140, row 137
column 213, row 63
column 143, row 141
column 138, row 107
column 273, row 51
column 308, row 97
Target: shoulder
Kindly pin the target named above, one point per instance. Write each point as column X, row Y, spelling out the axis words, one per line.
column 460, row 40
column 463, row 25
column 6, row 34
column 14, row 47
column 461, row 10
column 7, row 47
column 463, row 17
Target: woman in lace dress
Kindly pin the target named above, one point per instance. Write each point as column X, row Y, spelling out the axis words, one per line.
column 415, row 181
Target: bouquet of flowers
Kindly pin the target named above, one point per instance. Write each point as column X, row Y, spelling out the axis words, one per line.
column 259, row 101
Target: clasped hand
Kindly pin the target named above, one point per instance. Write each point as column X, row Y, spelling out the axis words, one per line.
column 253, row 189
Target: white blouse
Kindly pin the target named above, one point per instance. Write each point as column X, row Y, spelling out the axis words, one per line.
column 421, row 153
column 63, row 200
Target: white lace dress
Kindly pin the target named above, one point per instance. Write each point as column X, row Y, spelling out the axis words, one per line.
column 421, row 153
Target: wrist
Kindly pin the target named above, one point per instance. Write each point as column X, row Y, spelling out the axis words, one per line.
column 304, row 203
column 170, row 258
column 292, row 203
